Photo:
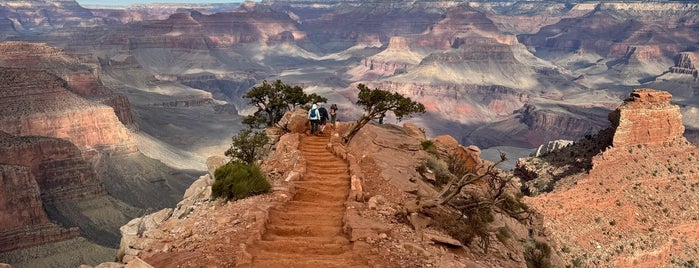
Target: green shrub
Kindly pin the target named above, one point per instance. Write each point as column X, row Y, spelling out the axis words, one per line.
column 429, row 146
column 440, row 169
column 537, row 255
column 237, row 180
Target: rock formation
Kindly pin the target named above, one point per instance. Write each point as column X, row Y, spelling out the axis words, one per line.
column 32, row 16
column 685, row 63
column 23, row 222
column 56, row 165
column 38, row 103
column 80, row 73
column 610, row 196
column 646, row 118
column 551, row 146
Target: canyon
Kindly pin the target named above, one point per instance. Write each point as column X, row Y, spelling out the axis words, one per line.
column 117, row 109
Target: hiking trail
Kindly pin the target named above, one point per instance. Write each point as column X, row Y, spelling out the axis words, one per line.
column 307, row 231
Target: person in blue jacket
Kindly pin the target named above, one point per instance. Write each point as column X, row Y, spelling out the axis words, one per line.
column 314, row 117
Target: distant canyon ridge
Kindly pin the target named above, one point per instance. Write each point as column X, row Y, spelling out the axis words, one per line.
column 161, row 86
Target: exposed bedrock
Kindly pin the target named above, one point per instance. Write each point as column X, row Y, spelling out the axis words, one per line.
column 23, row 222
column 81, row 73
column 38, row 103
column 648, row 118
column 58, row 167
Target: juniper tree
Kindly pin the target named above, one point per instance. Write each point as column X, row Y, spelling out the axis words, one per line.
column 377, row 102
column 275, row 99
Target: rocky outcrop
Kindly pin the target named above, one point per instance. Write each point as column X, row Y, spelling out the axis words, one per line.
column 685, row 63
column 38, row 103
column 646, row 118
column 613, row 195
column 551, row 146
column 23, row 222
column 294, row 121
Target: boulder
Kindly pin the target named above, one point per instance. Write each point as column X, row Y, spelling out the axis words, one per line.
column 214, row 162
column 294, row 121
column 414, row 131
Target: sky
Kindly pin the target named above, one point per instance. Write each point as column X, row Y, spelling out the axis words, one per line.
column 129, row 2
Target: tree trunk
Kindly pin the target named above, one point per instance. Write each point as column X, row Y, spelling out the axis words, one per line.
column 355, row 129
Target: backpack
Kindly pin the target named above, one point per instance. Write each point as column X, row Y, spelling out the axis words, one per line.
column 313, row 113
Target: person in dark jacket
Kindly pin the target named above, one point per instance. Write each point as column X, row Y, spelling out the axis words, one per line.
column 324, row 117
column 333, row 114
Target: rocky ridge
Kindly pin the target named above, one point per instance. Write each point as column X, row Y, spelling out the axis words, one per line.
column 382, row 184
column 622, row 197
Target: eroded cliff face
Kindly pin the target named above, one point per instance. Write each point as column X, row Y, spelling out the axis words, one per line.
column 38, row 103
column 57, row 166
column 80, row 73
column 646, row 118
column 43, row 15
column 23, row 222
column 685, row 63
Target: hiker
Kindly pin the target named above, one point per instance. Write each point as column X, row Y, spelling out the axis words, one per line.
column 333, row 114
column 324, row 117
column 314, row 117
column 381, row 118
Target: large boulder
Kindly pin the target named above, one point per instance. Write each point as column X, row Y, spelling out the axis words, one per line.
column 294, row 121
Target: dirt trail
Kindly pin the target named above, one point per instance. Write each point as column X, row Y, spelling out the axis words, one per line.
column 307, row 231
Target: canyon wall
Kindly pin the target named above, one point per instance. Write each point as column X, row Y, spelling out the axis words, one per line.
column 23, row 222
column 81, row 73
column 38, row 103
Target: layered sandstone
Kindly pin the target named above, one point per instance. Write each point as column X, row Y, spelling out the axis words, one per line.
column 53, row 14
column 685, row 63
column 646, row 118
column 38, row 103
column 57, row 166
column 80, row 73
column 23, row 222
column 623, row 197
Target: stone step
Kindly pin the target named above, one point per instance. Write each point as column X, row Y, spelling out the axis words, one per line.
column 337, row 239
column 319, row 196
column 300, row 218
column 306, row 263
column 328, row 171
column 325, row 163
column 294, row 204
column 319, row 182
column 308, row 230
column 297, row 246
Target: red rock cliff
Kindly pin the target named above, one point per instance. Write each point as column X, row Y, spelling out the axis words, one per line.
column 80, row 73
column 23, row 222
column 37, row 103
column 57, row 165
column 646, row 118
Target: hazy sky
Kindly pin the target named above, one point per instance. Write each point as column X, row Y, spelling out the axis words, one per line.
column 128, row 2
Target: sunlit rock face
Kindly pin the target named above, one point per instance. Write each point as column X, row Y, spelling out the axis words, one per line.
column 38, row 103
column 80, row 73
column 646, row 118
column 41, row 16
